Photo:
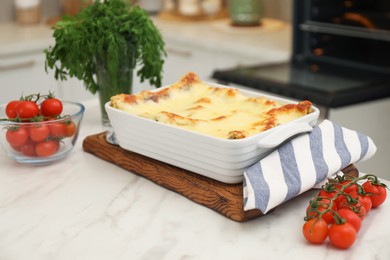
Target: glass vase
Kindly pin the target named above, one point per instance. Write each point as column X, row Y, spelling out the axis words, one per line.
column 113, row 81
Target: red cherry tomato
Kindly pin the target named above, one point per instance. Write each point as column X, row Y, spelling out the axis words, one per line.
column 70, row 128
column 349, row 189
column 366, row 202
column 330, row 194
column 342, row 235
column 376, row 193
column 10, row 109
column 322, row 206
column 362, row 199
column 46, row 148
column 16, row 137
column 327, row 194
column 57, row 130
column 28, row 148
column 315, row 230
column 358, row 207
column 51, row 107
column 27, row 109
column 38, row 133
column 16, row 148
column 350, row 217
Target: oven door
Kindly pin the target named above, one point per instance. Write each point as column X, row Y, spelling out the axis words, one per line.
column 340, row 55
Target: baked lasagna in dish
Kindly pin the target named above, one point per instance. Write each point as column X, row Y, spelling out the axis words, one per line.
column 215, row 111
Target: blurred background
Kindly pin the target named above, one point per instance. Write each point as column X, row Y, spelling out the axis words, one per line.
column 280, row 9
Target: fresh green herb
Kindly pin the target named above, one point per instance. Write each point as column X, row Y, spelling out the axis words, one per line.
column 108, row 30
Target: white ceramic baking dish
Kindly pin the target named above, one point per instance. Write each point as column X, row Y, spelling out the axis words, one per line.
column 221, row 159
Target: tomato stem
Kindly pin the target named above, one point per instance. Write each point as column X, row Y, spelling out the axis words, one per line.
column 327, row 204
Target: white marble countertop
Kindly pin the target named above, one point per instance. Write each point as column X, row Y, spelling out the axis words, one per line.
column 85, row 208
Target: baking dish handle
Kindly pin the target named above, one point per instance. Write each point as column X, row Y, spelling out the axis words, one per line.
column 276, row 138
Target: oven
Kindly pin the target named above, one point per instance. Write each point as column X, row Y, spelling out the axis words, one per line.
column 340, row 55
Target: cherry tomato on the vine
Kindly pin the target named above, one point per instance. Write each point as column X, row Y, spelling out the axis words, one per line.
column 315, row 230
column 51, row 107
column 363, row 200
column 377, row 193
column 366, row 202
column 10, row 109
column 327, row 194
column 27, row 109
column 358, row 207
column 342, row 235
column 342, row 204
column 330, row 195
column 321, row 206
column 349, row 189
column 350, row 217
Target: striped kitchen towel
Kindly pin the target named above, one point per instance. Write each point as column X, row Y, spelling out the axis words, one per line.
column 302, row 163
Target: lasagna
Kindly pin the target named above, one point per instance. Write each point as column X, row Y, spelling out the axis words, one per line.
column 215, row 111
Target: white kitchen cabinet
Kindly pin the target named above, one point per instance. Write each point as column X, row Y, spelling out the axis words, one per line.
column 182, row 59
column 23, row 75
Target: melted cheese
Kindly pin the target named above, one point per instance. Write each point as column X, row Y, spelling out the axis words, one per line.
column 219, row 112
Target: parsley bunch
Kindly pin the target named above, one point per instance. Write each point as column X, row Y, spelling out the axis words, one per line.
column 109, row 30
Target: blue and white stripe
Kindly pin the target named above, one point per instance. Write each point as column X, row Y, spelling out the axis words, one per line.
column 302, row 163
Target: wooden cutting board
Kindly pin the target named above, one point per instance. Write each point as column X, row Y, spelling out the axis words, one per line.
column 226, row 199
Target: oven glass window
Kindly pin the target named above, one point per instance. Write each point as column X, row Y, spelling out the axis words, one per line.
column 332, row 47
column 373, row 14
column 349, row 33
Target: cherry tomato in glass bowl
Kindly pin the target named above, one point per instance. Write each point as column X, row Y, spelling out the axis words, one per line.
column 28, row 149
column 10, row 109
column 70, row 128
column 38, row 133
column 46, row 148
column 16, row 136
column 27, row 109
column 51, row 107
column 30, row 142
column 56, row 129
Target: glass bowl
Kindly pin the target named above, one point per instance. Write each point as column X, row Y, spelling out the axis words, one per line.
column 41, row 142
